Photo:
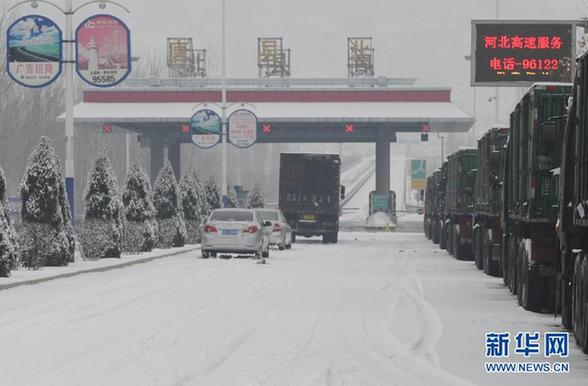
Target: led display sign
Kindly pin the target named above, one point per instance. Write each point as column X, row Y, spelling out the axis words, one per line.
column 518, row 53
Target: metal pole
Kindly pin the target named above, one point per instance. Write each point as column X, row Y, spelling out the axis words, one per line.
column 224, row 109
column 69, row 102
column 127, row 153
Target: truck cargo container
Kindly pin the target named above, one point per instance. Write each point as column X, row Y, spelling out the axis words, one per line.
column 488, row 200
column 530, row 209
column 461, row 172
column 573, row 210
column 310, row 194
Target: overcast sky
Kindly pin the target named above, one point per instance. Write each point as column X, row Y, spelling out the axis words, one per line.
column 425, row 39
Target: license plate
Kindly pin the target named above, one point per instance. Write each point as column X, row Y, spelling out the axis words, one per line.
column 309, row 217
column 229, row 232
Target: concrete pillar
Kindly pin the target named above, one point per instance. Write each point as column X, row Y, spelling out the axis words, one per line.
column 174, row 156
column 156, row 150
column 382, row 165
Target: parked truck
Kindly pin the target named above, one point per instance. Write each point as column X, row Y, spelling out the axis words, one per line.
column 441, row 207
column 573, row 209
column 530, row 254
column 435, row 204
column 461, row 174
column 310, row 194
column 487, row 235
column 428, row 214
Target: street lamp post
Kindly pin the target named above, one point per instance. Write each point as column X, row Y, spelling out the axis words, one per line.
column 69, row 61
column 224, row 188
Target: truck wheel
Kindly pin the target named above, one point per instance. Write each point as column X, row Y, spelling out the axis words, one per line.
column 326, row 238
column 530, row 294
column 564, row 285
column 450, row 239
column 580, row 300
column 477, row 246
column 584, row 275
column 512, row 266
column 504, row 247
column 204, row 254
column 454, row 242
column 442, row 235
column 435, row 235
column 521, row 270
column 293, row 238
column 335, row 237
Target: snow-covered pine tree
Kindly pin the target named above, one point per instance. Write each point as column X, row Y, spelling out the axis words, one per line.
column 213, row 198
column 141, row 227
column 8, row 240
column 101, row 233
column 47, row 235
column 201, row 194
column 256, row 197
column 168, row 209
column 192, row 202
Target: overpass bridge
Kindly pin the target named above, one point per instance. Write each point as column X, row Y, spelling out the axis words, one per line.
column 288, row 110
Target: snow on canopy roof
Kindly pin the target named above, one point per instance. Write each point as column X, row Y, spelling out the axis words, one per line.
column 434, row 112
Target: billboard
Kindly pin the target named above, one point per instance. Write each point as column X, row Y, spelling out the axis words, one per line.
column 103, row 45
column 520, row 53
column 242, row 128
column 360, row 57
column 33, row 51
column 206, row 128
column 418, row 175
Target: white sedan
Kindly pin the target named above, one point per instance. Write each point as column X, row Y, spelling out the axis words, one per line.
column 238, row 231
column 281, row 232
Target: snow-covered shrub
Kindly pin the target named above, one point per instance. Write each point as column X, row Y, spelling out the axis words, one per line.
column 140, row 227
column 194, row 205
column 8, row 239
column 168, row 209
column 213, row 198
column 101, row 232
column 47, row 236
column 256, row 197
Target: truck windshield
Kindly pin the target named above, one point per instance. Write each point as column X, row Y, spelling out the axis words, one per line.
column 231, row 215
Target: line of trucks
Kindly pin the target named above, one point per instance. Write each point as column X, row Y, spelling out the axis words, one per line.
column 518, row 204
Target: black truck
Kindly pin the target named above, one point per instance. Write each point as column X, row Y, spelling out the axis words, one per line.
column 310, row 194
column 572, row 219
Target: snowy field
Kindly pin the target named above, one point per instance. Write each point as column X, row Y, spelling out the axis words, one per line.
column 375, row 309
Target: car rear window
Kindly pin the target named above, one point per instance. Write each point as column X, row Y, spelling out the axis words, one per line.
column 231, row 215
column 268, row 215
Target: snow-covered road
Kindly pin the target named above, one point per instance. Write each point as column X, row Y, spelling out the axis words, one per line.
column 375, row 309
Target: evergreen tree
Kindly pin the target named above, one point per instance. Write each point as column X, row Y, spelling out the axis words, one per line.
column 168, row 209
column 8, row 240
column 48, row 237
column 256, row 197
column 192, row 201
column 101, row 232
column 138, row 212
column 212, row 193
column 201, row 194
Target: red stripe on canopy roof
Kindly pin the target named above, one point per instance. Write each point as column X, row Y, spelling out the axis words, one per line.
column 252, row 96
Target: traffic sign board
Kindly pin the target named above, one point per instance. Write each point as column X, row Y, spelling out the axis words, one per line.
column 206, row 128
column 103, row 45
column 242, row 128
column 33, row 51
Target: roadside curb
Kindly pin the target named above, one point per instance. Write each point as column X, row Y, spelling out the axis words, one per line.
column 123, row 264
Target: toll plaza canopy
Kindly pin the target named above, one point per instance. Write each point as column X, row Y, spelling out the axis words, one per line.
column 288, row 110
